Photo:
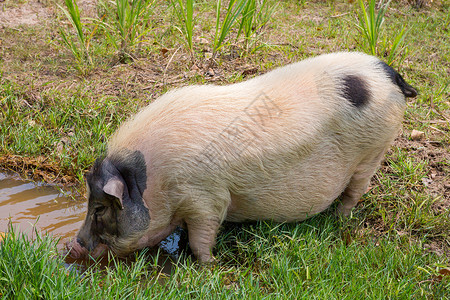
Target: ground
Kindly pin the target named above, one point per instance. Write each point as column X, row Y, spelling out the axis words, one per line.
column 41, row 81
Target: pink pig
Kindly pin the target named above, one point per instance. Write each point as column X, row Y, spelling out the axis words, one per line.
column 282, row 146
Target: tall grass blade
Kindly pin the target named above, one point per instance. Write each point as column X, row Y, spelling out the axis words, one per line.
column 255, row 15
column 129, row 26
column 80, row 51
column 248, row 16
column 234, row 9
column 185, row 15
column 394, row 52
column 370, row 25
column 73, row 15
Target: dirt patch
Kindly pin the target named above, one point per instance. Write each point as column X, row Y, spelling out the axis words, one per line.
column 33, row 12
column 436, row 155
column 29, row 13
column 432, row 151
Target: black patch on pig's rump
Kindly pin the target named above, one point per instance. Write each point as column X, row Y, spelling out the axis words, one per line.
column 398, row 80
column 355, row 90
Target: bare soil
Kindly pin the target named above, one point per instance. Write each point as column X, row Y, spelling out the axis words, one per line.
column 31, row 13
column 14, row 14
column 436, row 154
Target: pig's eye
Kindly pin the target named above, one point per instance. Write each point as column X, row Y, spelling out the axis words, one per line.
column 98, row 218
column 100, row 210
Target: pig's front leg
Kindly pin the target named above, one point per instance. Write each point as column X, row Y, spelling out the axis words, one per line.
column 154, row 236
column 202, row 237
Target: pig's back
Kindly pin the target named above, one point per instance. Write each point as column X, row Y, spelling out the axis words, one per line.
column 283, row 144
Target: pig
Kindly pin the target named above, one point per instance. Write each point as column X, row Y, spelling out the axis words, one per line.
column 282, row 146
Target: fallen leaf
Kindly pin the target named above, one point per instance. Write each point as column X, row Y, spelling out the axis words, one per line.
column 164, row 51
column 210, row 73
column 203, row 41
column 442, row 272
column 250, row 71
column 445, row 271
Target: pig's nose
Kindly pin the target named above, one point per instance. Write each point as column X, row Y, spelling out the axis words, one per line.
column 81, row 243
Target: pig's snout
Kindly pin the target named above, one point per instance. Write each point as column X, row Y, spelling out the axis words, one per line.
column 77, row 249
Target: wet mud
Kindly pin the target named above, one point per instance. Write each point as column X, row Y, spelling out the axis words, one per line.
column 32, row 207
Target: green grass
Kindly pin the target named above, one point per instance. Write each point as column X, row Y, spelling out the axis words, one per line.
column 392, row 247
column 255, row 15
column 371, row 24
column 125, row 29
column 185, row 14
column 310, row 259
column 224, row 27
column 130, row 26
column 80, row 50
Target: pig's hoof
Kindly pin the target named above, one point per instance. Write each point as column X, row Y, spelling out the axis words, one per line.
column 342, row 211
column 100, row 251
column 207, row 259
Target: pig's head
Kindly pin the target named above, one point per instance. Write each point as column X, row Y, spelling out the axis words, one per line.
column 117, row 217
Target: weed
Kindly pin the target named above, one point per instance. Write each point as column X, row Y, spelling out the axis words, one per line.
column 223, row 28
column 255, row 15
column 79, row 50
column 129, row 27
column 370, row 24
column 185, row 16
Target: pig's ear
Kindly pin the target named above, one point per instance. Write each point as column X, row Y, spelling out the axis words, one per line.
column 114, row 187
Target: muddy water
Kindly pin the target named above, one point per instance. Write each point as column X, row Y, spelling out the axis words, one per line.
column 29, row 205
column 26, row 204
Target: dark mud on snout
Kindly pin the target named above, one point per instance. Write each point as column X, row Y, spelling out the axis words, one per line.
column 33, row 206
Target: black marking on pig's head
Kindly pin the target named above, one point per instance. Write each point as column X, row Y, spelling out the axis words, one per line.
column 398, row 80
column 116, row 213
column 355, row 90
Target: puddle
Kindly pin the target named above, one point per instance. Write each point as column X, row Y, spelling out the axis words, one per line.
column 23, row 202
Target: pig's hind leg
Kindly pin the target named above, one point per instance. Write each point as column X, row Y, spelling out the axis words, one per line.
column 358, row 183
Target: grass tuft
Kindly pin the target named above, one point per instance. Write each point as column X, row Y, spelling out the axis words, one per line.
column 79, row 50
column 255, row 15
column 370, row 24
column 185, row 14
column 223, row 28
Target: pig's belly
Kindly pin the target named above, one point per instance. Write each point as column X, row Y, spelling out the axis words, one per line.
column 288, row 196
column 281, row 207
